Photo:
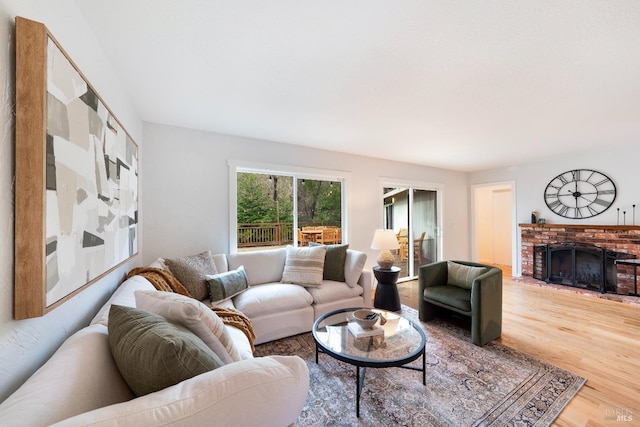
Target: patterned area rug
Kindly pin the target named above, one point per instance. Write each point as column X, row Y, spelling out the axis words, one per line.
column 466, row 385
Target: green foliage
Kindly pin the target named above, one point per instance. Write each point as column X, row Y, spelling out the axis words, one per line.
column 269, row 199
column 319, row 203
column 264, row 198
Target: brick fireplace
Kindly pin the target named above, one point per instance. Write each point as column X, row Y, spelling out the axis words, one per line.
column 619, row 239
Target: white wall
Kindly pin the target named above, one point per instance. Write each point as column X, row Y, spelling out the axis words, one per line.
column 26, row 344
column 186, row 203
column 618, row 163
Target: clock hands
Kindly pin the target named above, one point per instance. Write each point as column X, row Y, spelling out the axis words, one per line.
column 579, row 194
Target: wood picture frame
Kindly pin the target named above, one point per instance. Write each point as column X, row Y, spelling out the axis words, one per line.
column 76, row 188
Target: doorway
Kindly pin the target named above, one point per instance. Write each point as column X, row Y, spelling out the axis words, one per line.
column 494, row 228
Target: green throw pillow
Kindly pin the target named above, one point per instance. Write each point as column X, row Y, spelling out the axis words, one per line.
column 227, row 285
column 461, row 275
column 334, row 261
column 152, row 353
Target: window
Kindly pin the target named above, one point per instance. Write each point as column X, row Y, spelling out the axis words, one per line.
column 275, row 207
column 264, row 210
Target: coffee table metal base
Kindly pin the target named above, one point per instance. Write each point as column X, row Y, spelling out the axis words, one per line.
column 360, row 376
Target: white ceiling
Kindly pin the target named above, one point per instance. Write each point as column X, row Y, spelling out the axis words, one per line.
column 459, row 84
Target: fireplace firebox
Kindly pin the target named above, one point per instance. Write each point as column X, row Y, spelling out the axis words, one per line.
column 578, row 265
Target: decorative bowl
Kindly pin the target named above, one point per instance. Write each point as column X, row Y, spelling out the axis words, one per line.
column 366, row 318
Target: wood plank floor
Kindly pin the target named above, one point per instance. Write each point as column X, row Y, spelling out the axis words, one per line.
column 592, row 337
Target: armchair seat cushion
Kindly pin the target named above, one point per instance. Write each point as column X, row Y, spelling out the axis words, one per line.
column 451, row 296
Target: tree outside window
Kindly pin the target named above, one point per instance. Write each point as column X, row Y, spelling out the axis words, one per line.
column 265, row 208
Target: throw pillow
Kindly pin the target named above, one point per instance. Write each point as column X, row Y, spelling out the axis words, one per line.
column 304, row 266
column 193, row 315
column 334, row 261
column 353, row 266
column 191, row 272
column 461, row 275
column 224, row 286
column 152, row 353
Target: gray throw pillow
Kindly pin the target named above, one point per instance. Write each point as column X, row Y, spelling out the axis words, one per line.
column 152, row 353
column 191, row 271
column 334, row 262
column 227, row 285
column 461, row 275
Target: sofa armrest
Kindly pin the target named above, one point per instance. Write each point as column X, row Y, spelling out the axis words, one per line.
column 366, row 280
column 265, row 391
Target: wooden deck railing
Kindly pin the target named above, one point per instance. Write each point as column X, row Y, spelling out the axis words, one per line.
column 265, row 234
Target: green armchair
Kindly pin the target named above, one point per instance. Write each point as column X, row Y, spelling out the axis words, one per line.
column 468, row 288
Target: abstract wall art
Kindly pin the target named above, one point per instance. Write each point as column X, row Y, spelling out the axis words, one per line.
column 76, row 178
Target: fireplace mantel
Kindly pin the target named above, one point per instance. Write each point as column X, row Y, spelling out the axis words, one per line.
column 584, row 226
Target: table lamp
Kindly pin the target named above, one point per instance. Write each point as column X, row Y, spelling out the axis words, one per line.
column 384, row 241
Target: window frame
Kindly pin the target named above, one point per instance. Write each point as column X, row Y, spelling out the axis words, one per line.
column 296, row 172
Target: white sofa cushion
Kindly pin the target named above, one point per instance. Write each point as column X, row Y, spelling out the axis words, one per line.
column 241, row 343
column 261, row 266
column 220, row 260
column 79, row 377
column 304, row 266
column 195, row 316
column 271, row 298
column 353, row 266
column 331, row 291
column 123, row 295
column 274, row 387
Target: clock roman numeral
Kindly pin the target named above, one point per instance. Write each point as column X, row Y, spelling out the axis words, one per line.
column 553, row 205
column 563, row 179
column 604, row 181
column 601, row 202
column 576, row 174
column 607, row 192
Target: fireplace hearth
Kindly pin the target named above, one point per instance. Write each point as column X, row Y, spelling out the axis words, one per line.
column 579, row 265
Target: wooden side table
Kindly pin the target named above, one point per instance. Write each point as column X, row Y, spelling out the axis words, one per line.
column 387, row 297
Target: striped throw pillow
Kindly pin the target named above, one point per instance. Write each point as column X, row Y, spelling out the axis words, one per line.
column 304, row 266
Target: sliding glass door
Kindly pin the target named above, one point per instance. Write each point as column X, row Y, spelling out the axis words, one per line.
column 413, row 214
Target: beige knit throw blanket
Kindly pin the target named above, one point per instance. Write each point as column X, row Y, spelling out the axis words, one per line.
column 164, row 280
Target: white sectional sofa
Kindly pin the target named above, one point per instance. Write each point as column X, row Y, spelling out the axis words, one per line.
column 81, row 383
column 279, row 310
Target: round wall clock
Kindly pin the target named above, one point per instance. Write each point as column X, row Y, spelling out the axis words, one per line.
column 580, row 193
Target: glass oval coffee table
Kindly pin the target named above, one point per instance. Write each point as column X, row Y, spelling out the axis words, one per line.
column 401, row 342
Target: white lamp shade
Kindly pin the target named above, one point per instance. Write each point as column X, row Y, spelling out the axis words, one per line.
column 385, row 239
